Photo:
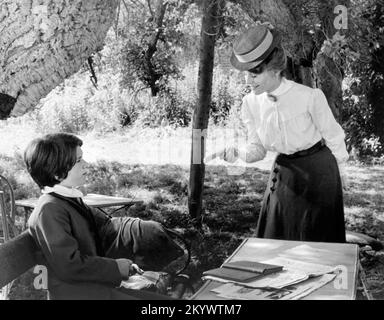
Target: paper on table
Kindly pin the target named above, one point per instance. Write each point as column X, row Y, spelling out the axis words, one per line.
column 275, row 280
column 235, row 291
column 294, row 272
column 305, row 288
column 294, row 292
column 310, row 269
column 279, row 280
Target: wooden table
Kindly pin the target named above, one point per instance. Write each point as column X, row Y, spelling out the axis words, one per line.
column 93, row 200
column 332, row 254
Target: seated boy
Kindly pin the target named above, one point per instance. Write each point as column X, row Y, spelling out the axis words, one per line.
column 74, row 238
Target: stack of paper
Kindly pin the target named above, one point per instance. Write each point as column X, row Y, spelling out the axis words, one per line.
column 310, row 269
column 276, row 280
column 295, row 281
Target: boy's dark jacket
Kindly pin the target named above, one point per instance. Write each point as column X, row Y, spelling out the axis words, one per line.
column 68, row 244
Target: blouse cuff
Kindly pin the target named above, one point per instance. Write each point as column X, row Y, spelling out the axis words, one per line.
column 253, row 153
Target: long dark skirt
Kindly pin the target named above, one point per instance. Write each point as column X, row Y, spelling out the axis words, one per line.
column 303, row 200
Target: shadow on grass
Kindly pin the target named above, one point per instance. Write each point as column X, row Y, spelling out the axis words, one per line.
column 231, row 206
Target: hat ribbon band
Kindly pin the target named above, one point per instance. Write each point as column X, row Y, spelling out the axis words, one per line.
column 258, row 51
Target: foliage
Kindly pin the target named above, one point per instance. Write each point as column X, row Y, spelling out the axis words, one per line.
column 150, row 46
column 353, row 51
column 168, row 108
column 123, row 98
column 363, row 65
column 77, row 106
column 227, row 93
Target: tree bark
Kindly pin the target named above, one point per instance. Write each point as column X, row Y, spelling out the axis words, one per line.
column 44, row 42
column 158, row 16
column 328, row 75
column 209, row 29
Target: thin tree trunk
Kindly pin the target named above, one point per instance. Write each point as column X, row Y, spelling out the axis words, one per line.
column 209, row 28
column 328, row 75
column 152, row 47
column 44, row 42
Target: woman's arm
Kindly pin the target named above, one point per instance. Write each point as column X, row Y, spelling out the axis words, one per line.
column 254, row 151
column 328, row 127
column 330, row 130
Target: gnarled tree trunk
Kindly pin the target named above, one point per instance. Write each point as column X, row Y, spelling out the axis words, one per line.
column 44, row 42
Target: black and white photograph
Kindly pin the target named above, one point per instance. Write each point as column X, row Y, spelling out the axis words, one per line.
column 200, row 153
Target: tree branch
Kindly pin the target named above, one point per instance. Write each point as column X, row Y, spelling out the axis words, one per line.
column 150, row 8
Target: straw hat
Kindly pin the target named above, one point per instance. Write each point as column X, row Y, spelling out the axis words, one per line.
column 253, row 46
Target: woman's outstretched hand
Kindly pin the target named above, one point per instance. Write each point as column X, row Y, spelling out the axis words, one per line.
column 230, row 154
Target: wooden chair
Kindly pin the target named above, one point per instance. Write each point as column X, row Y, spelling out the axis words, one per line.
column 7, row 218
column 17, row 256
column 7, row 210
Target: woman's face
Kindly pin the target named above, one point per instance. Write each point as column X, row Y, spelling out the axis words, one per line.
column 266, row 81
column 76, row 176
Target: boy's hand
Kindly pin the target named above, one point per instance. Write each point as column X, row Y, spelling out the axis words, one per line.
column 135, row 269
column 128, row 268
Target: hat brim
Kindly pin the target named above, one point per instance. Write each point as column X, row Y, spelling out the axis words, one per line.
column 245, row 66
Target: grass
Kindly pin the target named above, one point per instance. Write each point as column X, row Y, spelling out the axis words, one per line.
column 231, row 202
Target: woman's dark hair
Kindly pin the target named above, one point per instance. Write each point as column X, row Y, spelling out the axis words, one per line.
column 51, row 157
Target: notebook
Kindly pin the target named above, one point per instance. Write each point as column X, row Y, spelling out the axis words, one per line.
column 232, row 274
column 252, row 266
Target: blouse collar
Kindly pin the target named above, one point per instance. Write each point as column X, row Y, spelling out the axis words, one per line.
column 64, row 191
column 284, row 86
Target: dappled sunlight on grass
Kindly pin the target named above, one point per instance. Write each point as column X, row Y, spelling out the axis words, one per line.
column 364, row 201
column 231, row 202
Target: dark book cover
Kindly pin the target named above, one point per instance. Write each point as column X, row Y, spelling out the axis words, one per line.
column 232, row 274
column 252, row 266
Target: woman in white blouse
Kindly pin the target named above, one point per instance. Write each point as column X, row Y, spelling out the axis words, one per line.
column 303, row 199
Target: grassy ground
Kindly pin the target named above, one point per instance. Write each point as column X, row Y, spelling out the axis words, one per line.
column 231, row 202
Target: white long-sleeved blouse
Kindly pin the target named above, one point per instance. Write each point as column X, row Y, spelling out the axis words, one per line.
column 298, row 119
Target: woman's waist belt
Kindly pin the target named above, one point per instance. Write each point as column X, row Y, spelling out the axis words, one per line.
column 307, row 152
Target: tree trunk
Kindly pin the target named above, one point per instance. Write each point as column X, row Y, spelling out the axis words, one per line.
column 44, row 42
column 209, row 29
column 158, row 17
column 329, row 78
column 328, row 75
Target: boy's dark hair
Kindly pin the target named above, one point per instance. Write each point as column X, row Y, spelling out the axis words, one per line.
column 51, row 157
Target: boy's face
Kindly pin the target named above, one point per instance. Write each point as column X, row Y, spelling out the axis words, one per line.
column 76, row 176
